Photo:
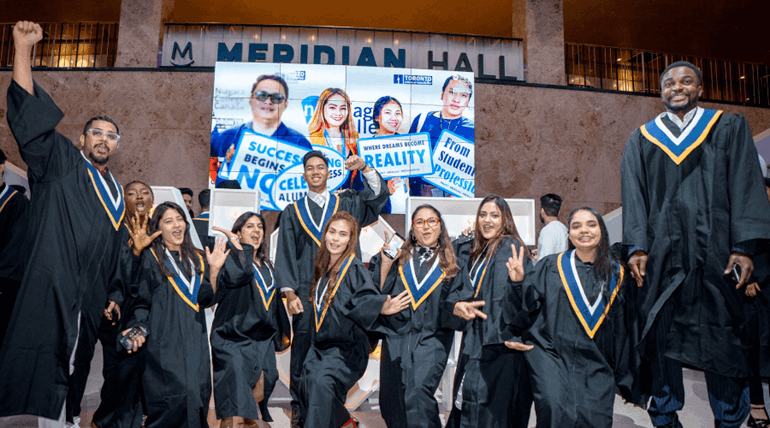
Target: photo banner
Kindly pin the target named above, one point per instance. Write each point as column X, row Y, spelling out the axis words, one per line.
column 415, row 127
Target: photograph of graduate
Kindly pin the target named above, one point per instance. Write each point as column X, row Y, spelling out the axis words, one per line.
column 332, row 126
column 456, row 93
column 388, row 115
column 269, row 98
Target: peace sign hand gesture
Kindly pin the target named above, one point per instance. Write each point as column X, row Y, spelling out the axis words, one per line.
column 515, row 264
column 138, row 230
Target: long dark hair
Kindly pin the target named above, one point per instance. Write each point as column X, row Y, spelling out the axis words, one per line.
column 605, row 264
column 324, row 257
column 187, row 249
column 509, row 228
column 447, row 260
column 260, row 252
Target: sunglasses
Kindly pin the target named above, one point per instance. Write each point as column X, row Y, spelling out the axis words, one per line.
column 432, row 222
column 276, row 98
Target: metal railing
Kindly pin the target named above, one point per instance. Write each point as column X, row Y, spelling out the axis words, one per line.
column 633, row 70
column 67, row 45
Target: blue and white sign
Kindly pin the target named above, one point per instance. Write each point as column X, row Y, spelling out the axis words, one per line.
column 453, row 165
column 398, row 155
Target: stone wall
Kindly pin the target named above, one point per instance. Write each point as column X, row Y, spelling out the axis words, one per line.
column 531, row 140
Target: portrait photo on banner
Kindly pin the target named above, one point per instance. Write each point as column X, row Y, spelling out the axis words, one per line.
column 415, row 127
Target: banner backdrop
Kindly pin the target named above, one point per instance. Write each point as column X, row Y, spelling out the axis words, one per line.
column 415, row 127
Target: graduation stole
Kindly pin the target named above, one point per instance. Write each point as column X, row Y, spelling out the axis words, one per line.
column 6, row 196
column 313, row 229
column 203, row 216
column 320, row 307
column 115, row 209
column 590, row 316
column 478, row 277
column 420, row 290
column 186, row 290
column 266, row 292
column 677, row 148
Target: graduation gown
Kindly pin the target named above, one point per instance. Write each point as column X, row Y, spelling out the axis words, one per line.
column 494, row 378
column 177, row 380
column 250, row 325
column 14, row 215
column 297, row 248
column 72, row 254
column 339, row 350
column 687, row 217
column 573, row 375
column 413, row 362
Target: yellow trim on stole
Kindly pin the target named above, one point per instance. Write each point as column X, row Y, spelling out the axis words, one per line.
column 415, row 304
column 304, row 226
column 13, row 192
column 176, row 287
column 334, row 291
column 115, row 224
column 678, row 159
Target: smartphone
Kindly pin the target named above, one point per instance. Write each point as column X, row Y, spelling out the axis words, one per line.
column 737, row 273
column 396, row 241
column 128, row 340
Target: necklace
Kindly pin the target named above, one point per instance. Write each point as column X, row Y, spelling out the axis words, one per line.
column 449, row 126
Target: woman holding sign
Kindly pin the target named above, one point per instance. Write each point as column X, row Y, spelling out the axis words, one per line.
column 491, row 383
column 388, row 115
column 579, row 322
column 438, row 285
column 345, row 305
column 332, row 126
column 250, row 326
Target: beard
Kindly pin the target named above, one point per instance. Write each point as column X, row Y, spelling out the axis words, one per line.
column 98, row 160
column 676, row 109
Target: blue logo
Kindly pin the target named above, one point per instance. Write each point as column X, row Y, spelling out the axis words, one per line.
column 308, row 107
column 294, row 75
column 412, row 79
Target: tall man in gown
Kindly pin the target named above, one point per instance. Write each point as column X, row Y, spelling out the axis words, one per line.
column 693, row 205
column 74, row 219
column 301, row 226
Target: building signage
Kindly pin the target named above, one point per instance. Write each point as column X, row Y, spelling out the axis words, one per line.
column 202, row 45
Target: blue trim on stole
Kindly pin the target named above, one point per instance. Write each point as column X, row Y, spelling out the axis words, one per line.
column 115, row 209
column 303, row 213
column 428, row 284
column 320, row 311
column 6, row 196
column 689, row 140
column 264, row 290
column 190, row 298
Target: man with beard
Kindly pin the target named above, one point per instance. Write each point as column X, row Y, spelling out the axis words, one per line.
column 693, row 206
column 74, row 220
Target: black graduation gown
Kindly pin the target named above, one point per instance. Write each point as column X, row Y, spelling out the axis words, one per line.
column 688, row 217
column 574, row 376
column 494, row 378
column 339, row 350
column 72, row 253
column 295, row 258
column 413, row 362
column 177, row 379
column 757, row 313
column 14, row 224
column 245, row 335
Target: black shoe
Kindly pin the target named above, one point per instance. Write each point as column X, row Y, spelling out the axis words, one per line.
column 757, row 423
column 263, row 410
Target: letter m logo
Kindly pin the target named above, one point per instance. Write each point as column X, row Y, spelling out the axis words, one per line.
column 182, row 54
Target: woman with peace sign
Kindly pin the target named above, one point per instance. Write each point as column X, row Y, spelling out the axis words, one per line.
column 576, row 316
column 491, row 383
column 438, row 286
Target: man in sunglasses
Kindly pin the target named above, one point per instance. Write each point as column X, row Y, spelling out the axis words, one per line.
column 269, row 99
column 76, row 210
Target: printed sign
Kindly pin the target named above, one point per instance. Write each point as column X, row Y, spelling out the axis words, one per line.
column 398, row 155
column 453, row 165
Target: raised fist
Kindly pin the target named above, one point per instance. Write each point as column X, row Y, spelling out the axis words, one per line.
column 26, row 34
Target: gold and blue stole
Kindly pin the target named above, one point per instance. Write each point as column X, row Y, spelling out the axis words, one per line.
column 187, row 290
column 591, row 316
column 313, row 229
column 6, row 196
column 478, row 277
column 678, row 148
column 267, row 292
column 420, row 290
column 113, row 206
column 203, row 216
column 319, row 305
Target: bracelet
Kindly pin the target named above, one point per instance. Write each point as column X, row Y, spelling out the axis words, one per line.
column 234, row 238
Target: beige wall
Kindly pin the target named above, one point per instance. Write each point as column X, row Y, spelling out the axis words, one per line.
column 531, row 140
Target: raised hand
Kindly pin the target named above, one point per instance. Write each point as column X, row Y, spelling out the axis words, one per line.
column 230, row 236
column 354, row 162
column 137, row 228
column 217, row 257
column 396, row 304
column 469, row 310
column 638, row 265
column 515, row 264
column 26, row 34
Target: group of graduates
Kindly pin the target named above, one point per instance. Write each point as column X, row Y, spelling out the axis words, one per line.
column 567, row 333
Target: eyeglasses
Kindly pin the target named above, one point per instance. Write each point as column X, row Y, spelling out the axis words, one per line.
column 276, row 98
column 99, row 134
column 432, row 222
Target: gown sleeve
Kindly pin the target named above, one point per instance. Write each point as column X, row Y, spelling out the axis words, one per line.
column 367, row 205
column 458, row 289
column 632, row 377
column 236, row 272
column 524, row 300
column 634, row 194
column 286, row 265
column 363, row 300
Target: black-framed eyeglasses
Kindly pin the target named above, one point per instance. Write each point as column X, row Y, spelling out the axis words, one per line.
column 99, row 134
column 276, row 98
column 432, row 222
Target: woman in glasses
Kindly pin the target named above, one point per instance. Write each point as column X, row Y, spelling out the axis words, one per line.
column 578, row 321
column 346, row 304
column 438, row 286
column 250, row 326
column 491, row 383
column 332, row 125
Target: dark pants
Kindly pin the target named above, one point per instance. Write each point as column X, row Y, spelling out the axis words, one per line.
column 8, row 291
column 301, row 324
